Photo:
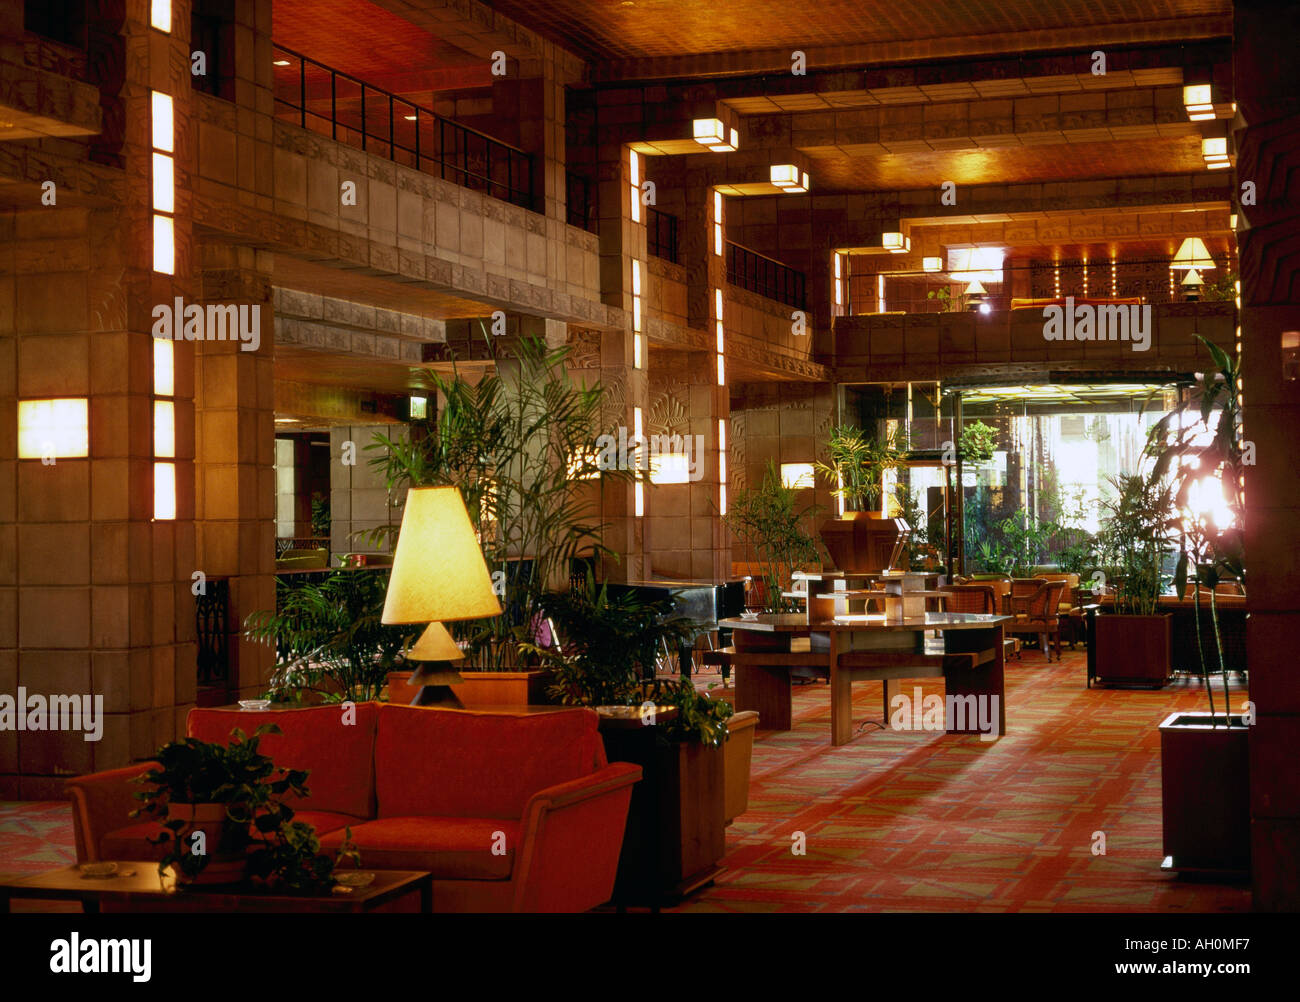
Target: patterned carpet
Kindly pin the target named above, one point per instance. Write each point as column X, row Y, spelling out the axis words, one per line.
column 919, row 821
column 923, row 821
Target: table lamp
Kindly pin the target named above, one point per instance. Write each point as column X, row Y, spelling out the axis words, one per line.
column 438, row 576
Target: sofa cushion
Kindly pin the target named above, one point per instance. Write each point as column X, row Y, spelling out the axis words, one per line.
column 449, row 848
column 462, row 763
column 339, row 755
column 132, row 842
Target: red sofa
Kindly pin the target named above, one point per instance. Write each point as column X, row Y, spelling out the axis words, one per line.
column 425, row 789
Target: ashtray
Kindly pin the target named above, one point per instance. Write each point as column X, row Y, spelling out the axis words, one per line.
column 98, row 871
column 254, row 704
column 355, row 878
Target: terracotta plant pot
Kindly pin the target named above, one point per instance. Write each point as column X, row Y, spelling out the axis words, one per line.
column 1205, row 793
column 862, row 542
column 1133, row 650
column 223, row 866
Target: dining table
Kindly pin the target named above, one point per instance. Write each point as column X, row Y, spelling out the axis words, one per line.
column 965, row 649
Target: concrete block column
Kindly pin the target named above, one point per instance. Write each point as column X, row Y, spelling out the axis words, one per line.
column 1267, row 82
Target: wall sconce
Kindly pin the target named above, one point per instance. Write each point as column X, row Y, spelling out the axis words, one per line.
column 789, row 179
column 1291, row 355
column 160, row 14
column 797, row 476
column 1214, row 150
column 932, row 264
column 670, row 468
column 1198, row 101
column 54, row 429
column 892, row 242
column 712, row 133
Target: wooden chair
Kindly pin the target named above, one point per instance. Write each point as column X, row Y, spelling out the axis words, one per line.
column 981, row 599
column 1041, row 615
column 1021, row 590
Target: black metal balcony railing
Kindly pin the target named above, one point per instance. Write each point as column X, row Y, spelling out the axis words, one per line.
column 754, row 271
column 579, row 203
column 348, row 110
column 661, row 235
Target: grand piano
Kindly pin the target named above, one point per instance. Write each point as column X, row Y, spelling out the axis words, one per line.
column 702, row 601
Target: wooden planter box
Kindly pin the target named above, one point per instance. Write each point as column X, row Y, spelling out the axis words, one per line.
column 1133, row 650
column 482, row 688
column 675, row 833
column 1205, row 793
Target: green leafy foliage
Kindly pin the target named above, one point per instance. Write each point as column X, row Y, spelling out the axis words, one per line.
column 1189, row 448
column 609, row 643
column 977, row 442
column 521, row 444
column 329, row 637
column 258, row 822
column 1138, row 533
column 857, row 464
column 697, row 717
column 768, row 521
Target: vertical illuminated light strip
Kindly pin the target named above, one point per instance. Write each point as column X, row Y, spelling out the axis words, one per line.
column 635, row 186
column 717, row 223
column 637, row 345
column 639, row 488
column 880, row 293
column 164, row 183
column 1172, row 287
column 162, row 130
column 1114, row 276
column 1085, row 277
column 1056, row 279
column 160, row 15
column 721, row 340
column 722, row 466
column 839, row 281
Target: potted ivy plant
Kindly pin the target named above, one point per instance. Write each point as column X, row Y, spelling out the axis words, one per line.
column 768, row 520
column 224, row 817
column 1204, row 756
column 608, row 644
column 1133, row 642
column 863, row 539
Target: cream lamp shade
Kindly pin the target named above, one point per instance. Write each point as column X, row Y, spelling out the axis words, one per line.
column 1193, row 278
column 975, row 289
column 1192, row 255
column 438, row 570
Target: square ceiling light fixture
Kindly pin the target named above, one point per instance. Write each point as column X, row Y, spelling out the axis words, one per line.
column 896, row 243
column 1214, row 149
column 789, row 178
column 1198, row 99
column 932, row 264
column 712, row 133
column 54, row 429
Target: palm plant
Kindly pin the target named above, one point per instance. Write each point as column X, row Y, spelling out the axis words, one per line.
column 858, row 464
column 329, row 637
column 766, row 519
column 1191, row 453
column 1139, row 530
column 521, row 444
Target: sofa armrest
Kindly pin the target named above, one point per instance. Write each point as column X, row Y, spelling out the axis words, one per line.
column 101, row 803
column 572, row 837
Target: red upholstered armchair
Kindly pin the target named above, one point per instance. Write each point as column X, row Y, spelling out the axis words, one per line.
column 426, row 789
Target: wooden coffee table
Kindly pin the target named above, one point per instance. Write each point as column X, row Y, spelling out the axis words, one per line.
column 138, row 887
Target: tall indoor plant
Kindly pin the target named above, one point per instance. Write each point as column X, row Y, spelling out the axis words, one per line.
column 608, row 641
column 863, row 540
column 1205, row 764
column 522, row 444
column 1133, row 643
column 767, row 519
